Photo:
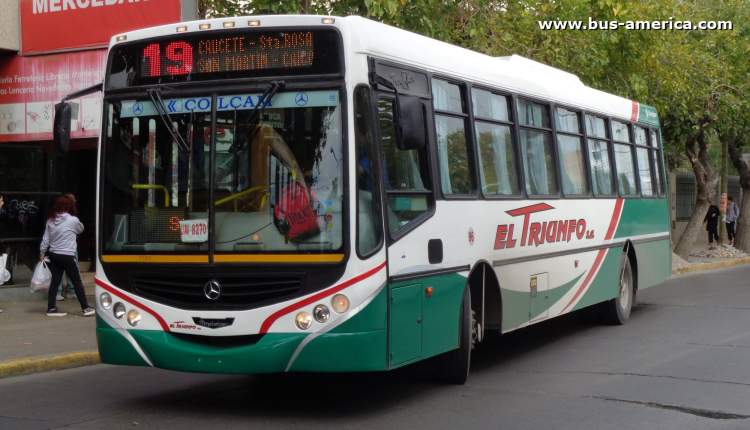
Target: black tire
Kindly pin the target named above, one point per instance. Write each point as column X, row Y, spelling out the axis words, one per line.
column 454, row 365
column 617, row 310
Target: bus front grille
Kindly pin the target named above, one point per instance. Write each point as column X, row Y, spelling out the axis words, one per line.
column 234, row 292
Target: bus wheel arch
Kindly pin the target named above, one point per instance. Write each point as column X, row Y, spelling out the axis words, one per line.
column 486, row 301
column 617, row 310
column 629, row 250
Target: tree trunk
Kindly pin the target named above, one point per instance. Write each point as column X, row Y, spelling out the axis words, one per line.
column 705, row 181
column 742, row 240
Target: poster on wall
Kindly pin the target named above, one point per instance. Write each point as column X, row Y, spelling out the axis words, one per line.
column 46, row 24
column 31, row 86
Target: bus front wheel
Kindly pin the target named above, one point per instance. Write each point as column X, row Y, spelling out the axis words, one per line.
column 617, row 310
column 454, row 365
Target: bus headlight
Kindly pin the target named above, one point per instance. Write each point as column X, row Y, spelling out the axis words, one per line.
column 340, row 303
column 119, row 310
column 105, row 300
column 321, row 313
column 303, row 320
column 134, row 317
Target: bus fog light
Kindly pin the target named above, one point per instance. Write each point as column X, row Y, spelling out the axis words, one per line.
column 134, row 317
column 321, row 313
column 303, row 320
column 105, row 300
column 340, row 303
column 119, row 310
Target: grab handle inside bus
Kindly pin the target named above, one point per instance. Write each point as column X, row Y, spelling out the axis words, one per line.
column 154, row 187
column 62, row 121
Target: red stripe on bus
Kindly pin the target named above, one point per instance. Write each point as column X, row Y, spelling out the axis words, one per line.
column 539, row 207
column 276, row 315
column 112, row 290
column 615, row 219
column 634, row 115
column 600, row 256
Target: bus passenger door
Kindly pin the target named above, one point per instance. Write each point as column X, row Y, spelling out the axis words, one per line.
column 539, row 288
column 406, row 323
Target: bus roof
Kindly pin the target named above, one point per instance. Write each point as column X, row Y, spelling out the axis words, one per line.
column 512, row 73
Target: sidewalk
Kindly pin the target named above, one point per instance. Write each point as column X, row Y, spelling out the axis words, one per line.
column 30, row 341
column 705, row 263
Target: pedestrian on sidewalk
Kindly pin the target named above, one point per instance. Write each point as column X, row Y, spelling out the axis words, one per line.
column 712, row 223
column 733, row 212
column 70, row 292
column 59, row 245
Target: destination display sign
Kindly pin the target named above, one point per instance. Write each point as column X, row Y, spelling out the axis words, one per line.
column 224, row 55
column 228, row 53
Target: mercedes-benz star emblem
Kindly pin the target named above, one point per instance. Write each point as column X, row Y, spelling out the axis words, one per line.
column 301, row 99
column 212, row 290
column 138, row 108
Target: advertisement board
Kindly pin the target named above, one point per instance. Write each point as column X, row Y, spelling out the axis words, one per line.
column 56, row 25
column 30, row 87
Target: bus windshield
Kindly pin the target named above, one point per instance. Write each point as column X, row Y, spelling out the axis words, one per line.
column 277, row 185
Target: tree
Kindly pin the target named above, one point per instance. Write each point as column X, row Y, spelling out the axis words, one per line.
column 742, row 240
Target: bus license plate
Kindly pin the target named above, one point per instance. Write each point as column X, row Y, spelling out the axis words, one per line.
column 194, row 230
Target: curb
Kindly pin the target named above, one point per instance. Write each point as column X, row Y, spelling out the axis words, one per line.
column 26, row 366
column 714, row 265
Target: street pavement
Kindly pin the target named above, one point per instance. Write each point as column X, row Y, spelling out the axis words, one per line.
column 682, row 362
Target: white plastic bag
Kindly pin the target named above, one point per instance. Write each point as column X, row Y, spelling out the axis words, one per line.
column 4, row 274
column 42, row 278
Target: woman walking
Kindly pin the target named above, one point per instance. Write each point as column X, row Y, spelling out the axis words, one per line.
column 59, row 243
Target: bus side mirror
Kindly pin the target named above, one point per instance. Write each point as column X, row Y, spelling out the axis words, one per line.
column 61, row 129
column 410, row 123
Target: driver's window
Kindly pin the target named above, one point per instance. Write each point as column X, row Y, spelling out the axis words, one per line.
column 494, row 133
column 406, row 189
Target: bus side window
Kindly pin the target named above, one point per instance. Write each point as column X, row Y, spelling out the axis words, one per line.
column 624, row 159
column 450, row 128
column 657, row 163
column 403, row 174
column 644, row 162
column 570, row 151
column 601, row 166
column 536, row 148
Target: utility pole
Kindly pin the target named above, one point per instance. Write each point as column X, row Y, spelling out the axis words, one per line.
column 723, row 193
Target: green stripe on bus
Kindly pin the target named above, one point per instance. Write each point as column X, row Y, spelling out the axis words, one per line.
column 344, row 352
column 604, row 286
column 516, row 303
column 271, row 354
column 114, row 348
column 643, row 216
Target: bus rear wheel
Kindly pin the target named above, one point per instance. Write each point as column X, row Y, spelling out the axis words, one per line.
column 617, row 310
column 454, row 365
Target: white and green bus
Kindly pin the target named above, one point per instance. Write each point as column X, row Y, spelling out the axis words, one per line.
column 325, row 194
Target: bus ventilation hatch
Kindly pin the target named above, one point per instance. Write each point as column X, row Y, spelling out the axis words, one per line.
column 239, row 292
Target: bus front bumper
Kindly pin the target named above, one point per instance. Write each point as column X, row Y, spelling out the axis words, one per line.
column 272, row 353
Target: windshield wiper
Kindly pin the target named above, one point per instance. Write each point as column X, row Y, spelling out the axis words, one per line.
column 255, row 114
column 155, row 94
